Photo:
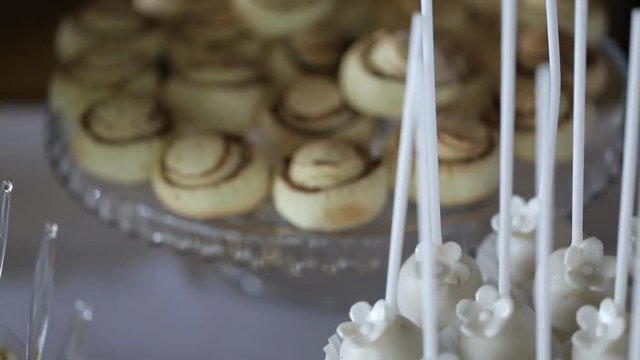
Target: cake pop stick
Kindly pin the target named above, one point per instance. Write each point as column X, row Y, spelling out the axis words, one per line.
column 428, row 198
column 554, row 65
column 629, row 165
column 403, row 172
column 42, row 291
column 7, row 187
column 634, row 337
column 507, row 118
column 579, row 94
column 429, row 90
column 542, row 110
column 75, row 345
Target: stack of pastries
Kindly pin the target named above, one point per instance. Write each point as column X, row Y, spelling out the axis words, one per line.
column 221, row 105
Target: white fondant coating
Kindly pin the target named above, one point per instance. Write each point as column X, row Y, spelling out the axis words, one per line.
column 458, row 278
column 603, row 333
column 566, row 298
column 485, row 316
column 516, row 340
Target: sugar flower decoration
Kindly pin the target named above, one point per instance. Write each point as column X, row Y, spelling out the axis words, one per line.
column 487, row 315
column 599, row 328
column 332, row 349
column 449, row 268
column 524, row 216
column 587, row 266
column 367, row 323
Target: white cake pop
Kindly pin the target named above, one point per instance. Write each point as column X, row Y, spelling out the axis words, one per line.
column 603, row 334
column 524, row 219
column 580, row 275
column 379, row 333
column 458, row 278
column 495, row 328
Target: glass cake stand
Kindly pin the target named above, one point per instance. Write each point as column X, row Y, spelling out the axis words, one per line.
column 266, row 256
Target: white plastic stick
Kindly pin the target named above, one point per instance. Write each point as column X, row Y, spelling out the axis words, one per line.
column 544, row 236
column 403, row 172
column 429, row 89
column 507, row 118
column 7, row 187
column 579, row 93
column 634, row 334
column 542, row 110
column 629, row 164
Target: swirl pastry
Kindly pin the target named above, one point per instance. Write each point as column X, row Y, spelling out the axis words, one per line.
column 309, row 109
column 525, row 126
column 372, row 74
column 164, row 9
column 330, row 185
column 210, row 27
column 120, row 139
column 97, row 73
column 210, row 175
column 315, row 52
column 468, row 158
column 106, row 23
column 222, row 93
column 278, row 18
column 533, row 50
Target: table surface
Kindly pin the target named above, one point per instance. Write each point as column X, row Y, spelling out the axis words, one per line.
column 149, row 303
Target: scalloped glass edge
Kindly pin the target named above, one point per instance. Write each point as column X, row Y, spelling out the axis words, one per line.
column 239, row 242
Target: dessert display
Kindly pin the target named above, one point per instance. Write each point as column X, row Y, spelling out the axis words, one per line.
column 372, row 74
column 209, row 175
column 603, row 334
column 272, row 19
column 458, row 278
column 106, row 23
column 99, row 72
column 330, row 185
column 308, row 109
column 121, row 139
column 468, row 158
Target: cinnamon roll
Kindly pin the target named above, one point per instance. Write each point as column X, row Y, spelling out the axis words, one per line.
column 120, row 139
column 98, row 73
column 278, row 18
column 221, row 93
column 210, row 175
column 525, row 123
column 468, row 159
column 210, row 27
column 372, row 74
column 309, row 109
column 330, row 185
column 314, row 52
column 533, row 50
column 106, row 23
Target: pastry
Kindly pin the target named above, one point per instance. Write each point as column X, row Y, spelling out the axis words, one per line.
column 468, row 158
column 308, row 109
column 209, row 175
column 330, row 185
column 166, row 10
column 106, row 23
column 372, row 74
column 449, row 15
column 495, row 328
column 7, row 354
column 603, row 334
column 533, row 51
column 314, row 52
column 580, row 275
column 458, row 277
column 217, row 92
column 210, row 28
column 278, row 18
column 525, row 123
column 378, row 333
column 120, row 139
column 98, row 73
